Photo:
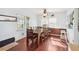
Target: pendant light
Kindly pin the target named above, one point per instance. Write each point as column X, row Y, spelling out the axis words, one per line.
column 45, row 13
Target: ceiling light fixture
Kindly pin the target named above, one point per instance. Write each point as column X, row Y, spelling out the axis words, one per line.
column 45, row 13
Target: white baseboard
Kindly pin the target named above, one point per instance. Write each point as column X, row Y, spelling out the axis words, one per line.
column 9, row 46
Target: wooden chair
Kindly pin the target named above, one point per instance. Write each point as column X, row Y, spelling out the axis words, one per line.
column 44, row 35
column 31, row 39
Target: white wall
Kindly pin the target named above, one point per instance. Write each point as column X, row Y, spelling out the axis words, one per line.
column 76, row 32
column 73, row 34
column 61, row 20
column 70, row 31
column 9, row 29
column 33, row 21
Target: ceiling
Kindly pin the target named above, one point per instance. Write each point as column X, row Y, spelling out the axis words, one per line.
column 26, row 11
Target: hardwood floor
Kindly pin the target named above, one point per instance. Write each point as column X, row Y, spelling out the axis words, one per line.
column 53, row 44
column 21, row 45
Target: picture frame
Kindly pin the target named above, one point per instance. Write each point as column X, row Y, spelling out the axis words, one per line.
column 6, row 18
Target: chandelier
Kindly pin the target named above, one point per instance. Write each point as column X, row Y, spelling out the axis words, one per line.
column 46, row 13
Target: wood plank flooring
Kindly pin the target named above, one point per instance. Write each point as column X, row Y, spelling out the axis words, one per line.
column 21, row 45
column 51, row 44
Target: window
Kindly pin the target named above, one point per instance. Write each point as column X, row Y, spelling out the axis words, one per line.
column 52, row 20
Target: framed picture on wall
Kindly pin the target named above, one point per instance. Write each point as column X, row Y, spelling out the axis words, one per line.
column 8, row 18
